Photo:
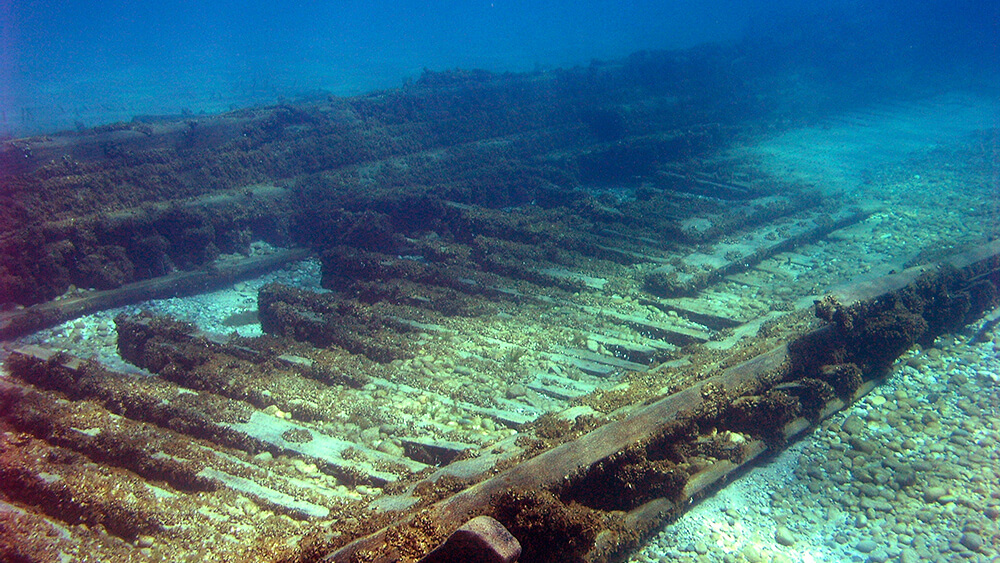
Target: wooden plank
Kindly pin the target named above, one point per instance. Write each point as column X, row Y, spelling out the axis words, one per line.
column 260, row 430
column 321, row 448
column 560, row 387
column 682, row 332
column 21, row 156
column 742, row 251
column 284, row 502
column 572, row 276
column 507, row 412
column 709, row 187
column 705, row 311
column 643, row 352
column 596, row 358
column 24, row 321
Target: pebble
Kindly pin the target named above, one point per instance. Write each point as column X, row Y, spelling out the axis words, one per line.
column 866, row 546
column 305, row 467
column 876, row 504
column 784, row 536
column 933, row 494
column 863, row 446
column 878, row 556
column 751, row 553
column 853, row 425
column 274, row 411
column 370, row 434
column 904, row 477
column 972, row 541
column 386, row 446
column 516, row 390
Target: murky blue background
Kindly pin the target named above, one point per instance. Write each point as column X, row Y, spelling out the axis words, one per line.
column 75, row 63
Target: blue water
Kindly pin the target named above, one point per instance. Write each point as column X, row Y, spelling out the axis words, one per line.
column 71, row 63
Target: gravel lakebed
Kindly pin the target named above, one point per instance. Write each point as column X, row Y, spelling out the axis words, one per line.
column 908, row 473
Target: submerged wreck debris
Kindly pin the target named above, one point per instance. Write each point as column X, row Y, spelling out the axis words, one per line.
column 550, row 309
column 236, row 417
column 115, row 205
column 613, row 485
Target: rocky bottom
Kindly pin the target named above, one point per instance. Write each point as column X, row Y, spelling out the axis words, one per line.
column 909, row 473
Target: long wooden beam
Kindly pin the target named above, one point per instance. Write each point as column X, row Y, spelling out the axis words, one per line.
column 19, row 322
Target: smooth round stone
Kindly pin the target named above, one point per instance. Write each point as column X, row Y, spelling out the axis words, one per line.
column 932, row 494
column 905, row 477
column 869, row 490
column 972, row 541
column 516, row 390
column 784, row 536
column 863, row 446
column 840, row 477
column 392, row 449
column 370, row 434
column 853, row 425
column 751, row 554
column 866, row 546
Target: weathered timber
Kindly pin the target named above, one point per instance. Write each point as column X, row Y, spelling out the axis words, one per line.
column 478, row 139
column 19, row 322
column 208, row 416
column 753, row 407
column 697, row 269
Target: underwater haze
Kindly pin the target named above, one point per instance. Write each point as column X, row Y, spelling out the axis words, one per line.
column 69, row 64
column 316, row 281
